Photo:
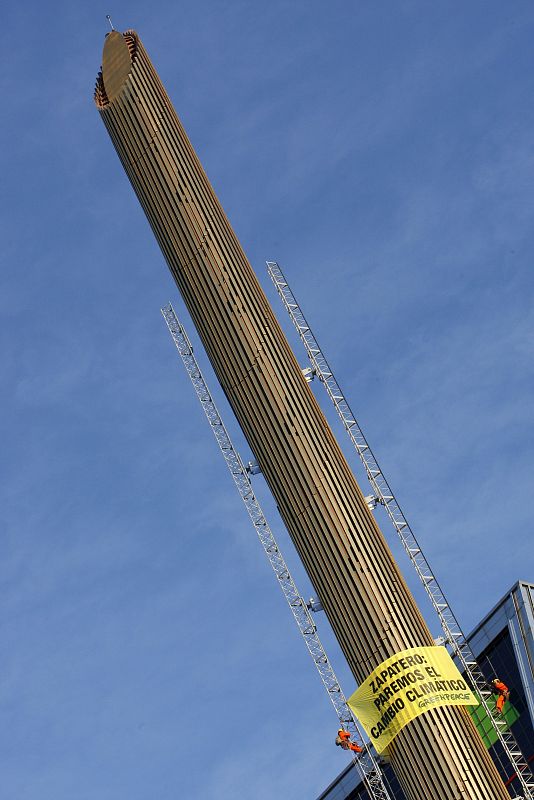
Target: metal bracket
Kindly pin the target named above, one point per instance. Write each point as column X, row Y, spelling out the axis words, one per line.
column 314, row 604
column 253, row 468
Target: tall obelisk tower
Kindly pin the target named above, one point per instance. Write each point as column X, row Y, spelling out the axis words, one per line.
column 439, row 755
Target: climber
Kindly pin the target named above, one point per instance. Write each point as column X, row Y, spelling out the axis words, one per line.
column 503, row 694
column 343, row 740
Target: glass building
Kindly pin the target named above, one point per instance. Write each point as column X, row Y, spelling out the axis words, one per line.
column 503, row 644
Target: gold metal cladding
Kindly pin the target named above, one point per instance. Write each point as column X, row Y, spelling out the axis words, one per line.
column 438, row 756
column 117, row 59
column 116, row 64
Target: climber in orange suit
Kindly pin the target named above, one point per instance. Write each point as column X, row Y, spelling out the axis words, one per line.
column 343, row 740
column 503, row 693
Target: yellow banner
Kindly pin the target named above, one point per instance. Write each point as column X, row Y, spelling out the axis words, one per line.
column 404, row 686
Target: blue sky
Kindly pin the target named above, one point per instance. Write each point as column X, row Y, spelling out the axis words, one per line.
column 384, row 154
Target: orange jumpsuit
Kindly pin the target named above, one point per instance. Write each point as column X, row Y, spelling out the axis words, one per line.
column 503, row 693
column 343, row 740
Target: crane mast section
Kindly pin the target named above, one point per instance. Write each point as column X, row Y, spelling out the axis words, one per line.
column 365, row 762
column 383, row 493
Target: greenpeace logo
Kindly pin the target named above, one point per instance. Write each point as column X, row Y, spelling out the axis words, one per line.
column 444, row 698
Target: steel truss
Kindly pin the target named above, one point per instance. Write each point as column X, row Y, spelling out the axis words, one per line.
column 365, row 762
column 384, row 495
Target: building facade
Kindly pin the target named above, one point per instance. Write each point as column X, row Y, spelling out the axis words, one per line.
column 503, row 644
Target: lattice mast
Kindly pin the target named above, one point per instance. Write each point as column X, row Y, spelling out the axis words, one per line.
column 383, row 494
column 365, row 761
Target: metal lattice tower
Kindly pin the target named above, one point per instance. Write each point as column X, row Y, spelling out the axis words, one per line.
column 384, row 495
column 365, row 761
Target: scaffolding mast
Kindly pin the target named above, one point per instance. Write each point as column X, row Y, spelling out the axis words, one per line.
column 365, row 762
column 384, row 495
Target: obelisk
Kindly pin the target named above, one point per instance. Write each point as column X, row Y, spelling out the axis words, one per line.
column 439, row 755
